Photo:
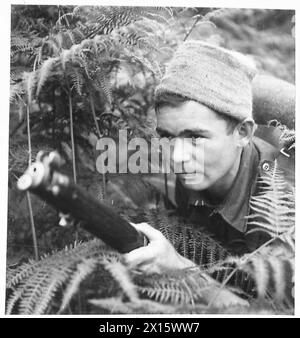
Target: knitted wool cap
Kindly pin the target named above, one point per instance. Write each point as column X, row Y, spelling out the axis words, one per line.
column 216, row 77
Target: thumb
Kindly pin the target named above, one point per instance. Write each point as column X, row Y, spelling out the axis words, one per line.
column 150, row 232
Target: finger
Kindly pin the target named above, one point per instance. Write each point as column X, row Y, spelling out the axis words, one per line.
column 140, row 256
column 150, row 232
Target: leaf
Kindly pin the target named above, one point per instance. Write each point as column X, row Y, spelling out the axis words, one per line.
column 83, row 269
column 45, row 72
column 77, row 80
column 272, row 208
column 121, row 275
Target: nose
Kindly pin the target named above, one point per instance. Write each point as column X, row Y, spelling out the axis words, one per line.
column 181, row 152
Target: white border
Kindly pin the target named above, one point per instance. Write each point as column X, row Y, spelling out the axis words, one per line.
column 4, row 120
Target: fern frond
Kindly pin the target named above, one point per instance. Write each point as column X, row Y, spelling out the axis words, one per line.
column 146, row 64
column 103, row 44
column 271, row 269
column 83, row 269
column 50, row 47
column 32, row 290
column 166, row 289
column 65, row 17
column 69, row 34
column 74, row 57
column 193, row 244
column 273, row 276
column 20, row 44
column 121, row 275
column 144, row 43
column 102, row 83
column 38, row 58
column 148, row 26
column 48, row 273
column 35, row 283
column 30, row 83
column 58, row 41
column 117, row 305
column 113, row 18
column 16, row 90
column 77, row 80
column 45, row 72
column 48, row 294
column 189, row 286
column 13, row 299
column 15, row 276
column 272, row 209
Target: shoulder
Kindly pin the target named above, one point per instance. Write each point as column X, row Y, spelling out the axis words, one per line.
column 275, row 152
column 272, row 202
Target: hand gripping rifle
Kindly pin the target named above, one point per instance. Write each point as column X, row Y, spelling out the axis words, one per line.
column 44, row 179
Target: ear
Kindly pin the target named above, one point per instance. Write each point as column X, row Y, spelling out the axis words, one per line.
column 245, row 131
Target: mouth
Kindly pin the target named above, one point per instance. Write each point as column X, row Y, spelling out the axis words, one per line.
column 188, row 176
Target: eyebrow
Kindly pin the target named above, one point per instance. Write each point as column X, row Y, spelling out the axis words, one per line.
column 162, row 131
column 185, row 131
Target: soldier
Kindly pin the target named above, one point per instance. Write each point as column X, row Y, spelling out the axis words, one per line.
column 206, row 93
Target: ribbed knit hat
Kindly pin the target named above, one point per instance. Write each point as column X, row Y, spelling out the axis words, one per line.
column 214, row 76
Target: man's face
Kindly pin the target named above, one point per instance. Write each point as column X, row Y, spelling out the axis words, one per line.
column 220, row 152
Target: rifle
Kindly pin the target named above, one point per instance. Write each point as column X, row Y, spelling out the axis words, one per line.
column 44, row 179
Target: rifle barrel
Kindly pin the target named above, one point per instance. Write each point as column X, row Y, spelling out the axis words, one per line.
column 99, row 219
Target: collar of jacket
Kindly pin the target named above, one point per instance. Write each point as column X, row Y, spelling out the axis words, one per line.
column 256, row 159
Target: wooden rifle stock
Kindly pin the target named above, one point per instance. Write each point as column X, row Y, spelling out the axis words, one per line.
column 44, row 179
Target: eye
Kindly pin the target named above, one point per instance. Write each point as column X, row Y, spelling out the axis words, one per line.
column 166, row 135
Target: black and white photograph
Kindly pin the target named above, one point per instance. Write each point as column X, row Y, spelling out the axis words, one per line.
column 151, row 161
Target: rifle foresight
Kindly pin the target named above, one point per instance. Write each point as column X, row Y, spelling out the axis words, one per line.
column 44, row 179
